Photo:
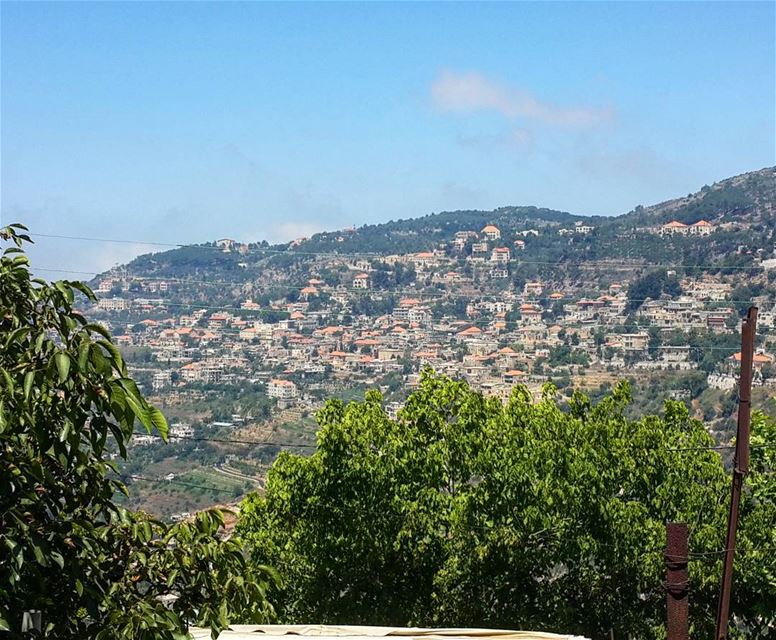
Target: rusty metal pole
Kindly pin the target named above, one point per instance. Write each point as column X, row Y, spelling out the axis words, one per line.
column 740, row 467
column 677, row 581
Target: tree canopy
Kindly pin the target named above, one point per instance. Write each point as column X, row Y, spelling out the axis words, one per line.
column 67, row 549
column 467, row 512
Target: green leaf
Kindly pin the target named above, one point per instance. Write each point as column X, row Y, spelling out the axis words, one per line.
column 140, row 411
column 39, row 557
column 83, row 355
column 29, row 378
column 98, row 360
column 85, row 289
column 58, row 559
column 118, row 360
column 62, row 360
column 159, row 421
column 65, row 290
column 39, row 342
column 8, row 380
column 98, row 328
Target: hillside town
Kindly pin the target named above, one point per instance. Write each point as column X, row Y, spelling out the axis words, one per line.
column 447, row 318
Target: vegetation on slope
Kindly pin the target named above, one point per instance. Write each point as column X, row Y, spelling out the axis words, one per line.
column 92, row 568
column 465, row 512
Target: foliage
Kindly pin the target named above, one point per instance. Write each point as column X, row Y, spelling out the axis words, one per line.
column 68, row 550
column 652, row 286
column 564, row 355
column 466, row 512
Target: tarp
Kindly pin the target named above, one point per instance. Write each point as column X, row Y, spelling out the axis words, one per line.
column 322, row 632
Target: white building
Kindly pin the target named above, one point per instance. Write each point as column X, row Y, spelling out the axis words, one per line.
column 532, row 289
column 113, row 304
column 106, row 285
column 700, row 228
column 491, row 232
column 281, row 389
column 500, row 255
column 361, row 281
column 225, row 244
column 180, row 431
column 162, row 379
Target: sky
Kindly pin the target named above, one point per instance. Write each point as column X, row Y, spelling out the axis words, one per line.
column 186, row 122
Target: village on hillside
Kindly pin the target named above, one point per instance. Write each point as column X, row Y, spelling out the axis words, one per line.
column 319, row 342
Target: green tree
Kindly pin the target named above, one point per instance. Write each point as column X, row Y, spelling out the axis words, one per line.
column 468, row 512
column 647, row 286
column 66, row 548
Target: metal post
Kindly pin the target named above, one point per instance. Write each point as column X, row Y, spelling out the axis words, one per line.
column 677, row 581
column 740, row 467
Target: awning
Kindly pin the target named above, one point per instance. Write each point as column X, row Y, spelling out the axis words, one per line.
column 333, row 632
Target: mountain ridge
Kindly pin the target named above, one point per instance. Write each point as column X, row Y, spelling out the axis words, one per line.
column 738, row 204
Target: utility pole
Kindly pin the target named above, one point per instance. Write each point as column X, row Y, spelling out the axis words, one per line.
column 677, row 581
column 740, row 467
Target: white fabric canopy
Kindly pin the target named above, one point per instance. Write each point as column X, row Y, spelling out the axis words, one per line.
column 256, row 631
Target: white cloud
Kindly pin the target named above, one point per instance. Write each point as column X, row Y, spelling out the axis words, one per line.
column 472, row 92
column 287, row 231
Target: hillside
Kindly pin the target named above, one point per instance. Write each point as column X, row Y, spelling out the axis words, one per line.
column 742, row 207
column 242, row 342
column 424, row 233
column 746, row 197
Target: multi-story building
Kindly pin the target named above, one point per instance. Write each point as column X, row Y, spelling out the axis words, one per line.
column 281, row 389
column 162, row 379
column 113, row 304
column 491, row 232
column 629, row 341
column 180, row 431
column 500, row 255
column 532, row 288
column 361, row 281
column 700, row 228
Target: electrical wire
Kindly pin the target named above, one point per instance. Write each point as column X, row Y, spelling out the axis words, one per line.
column 259, row 443
column 295, row 252
column 414, row 293
column 178, row 482
column 266, row 443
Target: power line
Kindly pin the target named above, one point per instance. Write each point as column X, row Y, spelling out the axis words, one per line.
column 111, row 240
column 332, row 289
column 474, row 296
column 416, row 294
column 295, row 252
column 173, row 245
column 429, row 298
column 259, row 443
column 722, row 447
column 178, row 482
column 511, row 323
column 86, row 273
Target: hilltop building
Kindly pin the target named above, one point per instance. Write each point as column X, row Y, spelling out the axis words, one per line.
column 491, row 232
column 700, row 228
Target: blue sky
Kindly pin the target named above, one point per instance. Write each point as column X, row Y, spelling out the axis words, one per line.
column 184, row 122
